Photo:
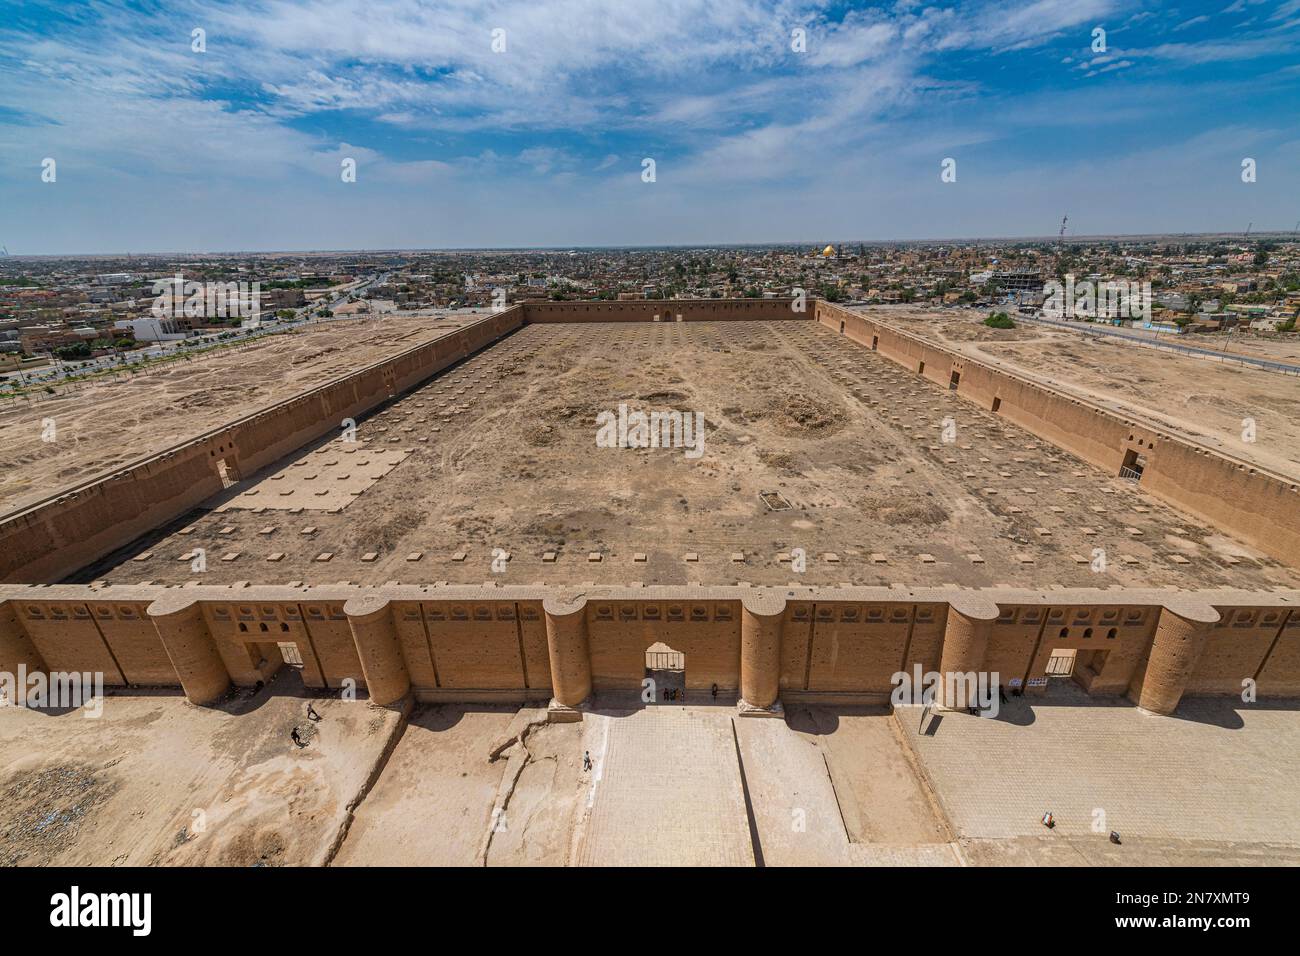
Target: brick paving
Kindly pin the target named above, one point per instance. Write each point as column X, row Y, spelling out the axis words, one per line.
column 1094, row 850
column 796, row 811
column 926, row 854
column 669, row 791
column 1219, row 771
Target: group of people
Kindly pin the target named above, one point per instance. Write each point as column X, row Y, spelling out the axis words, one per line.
column 1002, row 696
column 674, row 693
column 297, row 737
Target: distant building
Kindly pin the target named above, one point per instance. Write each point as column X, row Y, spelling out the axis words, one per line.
column 46, row 338
column 151, row 329
column 1020, row 280
column 273, row 299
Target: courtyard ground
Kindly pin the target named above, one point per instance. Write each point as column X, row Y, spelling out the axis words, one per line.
column 811, row 442
column 104, row 425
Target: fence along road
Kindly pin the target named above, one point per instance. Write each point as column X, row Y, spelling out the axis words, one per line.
column 1092, row 329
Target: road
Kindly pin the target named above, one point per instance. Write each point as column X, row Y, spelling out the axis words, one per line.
column 62, row 369
column 1091, row 328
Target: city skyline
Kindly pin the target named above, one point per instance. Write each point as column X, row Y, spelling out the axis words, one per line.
column 536, row 137
column 843, row 245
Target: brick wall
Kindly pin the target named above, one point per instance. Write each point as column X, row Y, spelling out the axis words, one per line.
column 470, row 644
column 1254, row 506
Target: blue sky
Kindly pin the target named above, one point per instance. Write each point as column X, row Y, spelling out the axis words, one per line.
column 160, row 148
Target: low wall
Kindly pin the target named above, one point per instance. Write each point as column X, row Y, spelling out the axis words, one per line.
column 1252, row 505
column 51, row 539
column 534, row 643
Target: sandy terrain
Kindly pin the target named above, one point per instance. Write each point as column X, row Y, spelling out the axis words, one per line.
column 103, row 425
column 158, row 781
column 1202, row 399
column 500, row 454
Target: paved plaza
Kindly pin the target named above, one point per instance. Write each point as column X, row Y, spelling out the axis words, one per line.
column 1219, row 771
column 666, row 790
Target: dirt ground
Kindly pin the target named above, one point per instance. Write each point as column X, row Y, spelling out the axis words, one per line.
column 491, row 472
column 100, row 426
column 157, row 781
column 445, row 800
column 1202, row 399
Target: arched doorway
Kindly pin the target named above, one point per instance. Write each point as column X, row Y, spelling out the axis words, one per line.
column 667, row 669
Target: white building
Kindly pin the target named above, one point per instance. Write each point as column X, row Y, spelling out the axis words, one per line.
column 151, row 329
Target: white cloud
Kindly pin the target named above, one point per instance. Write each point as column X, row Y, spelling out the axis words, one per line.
column 709, row 87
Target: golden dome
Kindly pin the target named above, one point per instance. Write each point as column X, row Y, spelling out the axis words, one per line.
column 828, row 251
